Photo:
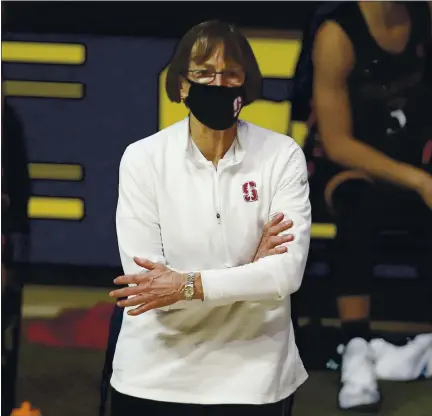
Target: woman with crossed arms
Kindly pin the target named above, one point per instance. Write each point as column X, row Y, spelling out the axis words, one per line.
column 207, row 324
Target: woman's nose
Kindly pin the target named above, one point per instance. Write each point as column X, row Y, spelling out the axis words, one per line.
column 218, row 79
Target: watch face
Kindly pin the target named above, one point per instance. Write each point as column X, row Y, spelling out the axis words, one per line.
column 189, row 292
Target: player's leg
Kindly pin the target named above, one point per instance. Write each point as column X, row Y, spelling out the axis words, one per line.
column 353, row 259
column 413, row 360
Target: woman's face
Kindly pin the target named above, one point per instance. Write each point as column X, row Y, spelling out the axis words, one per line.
column 215, row 71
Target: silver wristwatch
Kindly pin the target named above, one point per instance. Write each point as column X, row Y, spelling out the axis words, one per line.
column 189, row 289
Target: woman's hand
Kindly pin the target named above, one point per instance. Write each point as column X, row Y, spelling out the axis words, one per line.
column 271, row 241
column 158, row 287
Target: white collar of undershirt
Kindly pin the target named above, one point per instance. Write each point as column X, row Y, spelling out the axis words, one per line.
column 233, row 156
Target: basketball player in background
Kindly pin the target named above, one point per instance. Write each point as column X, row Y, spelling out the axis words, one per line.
column 370, row 156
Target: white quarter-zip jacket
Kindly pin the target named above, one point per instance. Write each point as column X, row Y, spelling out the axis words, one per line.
column 175, row 207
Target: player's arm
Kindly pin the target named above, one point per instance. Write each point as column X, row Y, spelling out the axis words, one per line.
column 333, row 59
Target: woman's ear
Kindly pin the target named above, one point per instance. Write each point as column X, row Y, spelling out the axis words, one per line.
column 184, row 89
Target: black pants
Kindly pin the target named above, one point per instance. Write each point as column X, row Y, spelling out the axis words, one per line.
column 123, row 405
column 374, row 221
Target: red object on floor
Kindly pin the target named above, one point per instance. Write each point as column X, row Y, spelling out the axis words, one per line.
column 73, row 328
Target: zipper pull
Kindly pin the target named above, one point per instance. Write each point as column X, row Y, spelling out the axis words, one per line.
column 218, row 218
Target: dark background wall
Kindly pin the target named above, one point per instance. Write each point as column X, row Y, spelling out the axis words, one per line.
column 145, row 18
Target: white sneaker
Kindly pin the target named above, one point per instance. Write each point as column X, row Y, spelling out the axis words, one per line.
column 359, row 384
column 409, row 362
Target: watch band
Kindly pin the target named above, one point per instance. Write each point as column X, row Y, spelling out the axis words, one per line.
column 189, row 289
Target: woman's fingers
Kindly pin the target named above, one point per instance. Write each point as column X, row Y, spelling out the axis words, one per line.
column 132, row 301
column 129, row 279
column 137, row 300
column 125, row 291
column 278, row 240
column 272, row 252
column 276, row 219
column 160, row 303
column 147, row 264
column 277, row 250
column 280, row 228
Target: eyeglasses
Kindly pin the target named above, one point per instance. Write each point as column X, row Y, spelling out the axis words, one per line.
column 207, row 76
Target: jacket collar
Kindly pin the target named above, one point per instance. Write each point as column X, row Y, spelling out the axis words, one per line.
column 234, row 155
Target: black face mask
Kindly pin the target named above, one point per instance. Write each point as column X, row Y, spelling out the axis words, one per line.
column 214, row 106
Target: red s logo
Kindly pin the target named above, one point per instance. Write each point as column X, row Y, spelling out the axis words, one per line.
column 250, row 193
column 427, row 153
column 237, row 106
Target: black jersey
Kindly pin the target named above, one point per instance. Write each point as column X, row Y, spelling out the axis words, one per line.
column 389, row 93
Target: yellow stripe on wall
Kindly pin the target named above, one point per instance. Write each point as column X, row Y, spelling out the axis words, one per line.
column 56, row 171
column 43, row 207
column 43, row 89
column 43, row 53
column 325, row 231
column 277, row 58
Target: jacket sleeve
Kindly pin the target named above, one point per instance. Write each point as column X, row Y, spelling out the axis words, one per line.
column 274, row 277
column 137, row 219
